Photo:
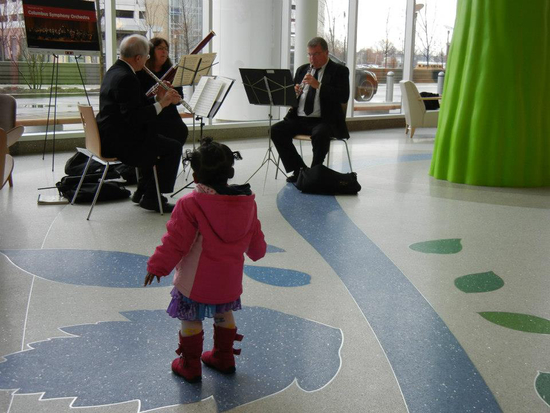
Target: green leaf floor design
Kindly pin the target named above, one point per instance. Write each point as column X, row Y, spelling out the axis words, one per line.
column 438, row 246
column 542, row 384
column 520, row 322
column 482, row 282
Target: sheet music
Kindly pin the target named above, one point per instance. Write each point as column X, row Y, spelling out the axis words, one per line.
column 192, row 67
column 205, row 95
column 226, row 84
column 205, row 66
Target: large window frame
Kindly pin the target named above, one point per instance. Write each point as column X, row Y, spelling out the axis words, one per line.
column 111, row 44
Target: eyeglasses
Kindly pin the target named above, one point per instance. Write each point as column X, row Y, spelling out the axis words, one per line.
column 314, row 54
column 162, row 48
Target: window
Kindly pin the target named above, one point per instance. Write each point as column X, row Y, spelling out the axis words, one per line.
column 379, row 57
column 125, row 14
column 434, row 21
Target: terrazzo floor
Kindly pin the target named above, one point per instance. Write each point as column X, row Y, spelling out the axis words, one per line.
column 415, row 295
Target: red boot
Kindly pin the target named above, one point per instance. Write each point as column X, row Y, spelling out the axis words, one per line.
column 188, row 364
column 222, row 356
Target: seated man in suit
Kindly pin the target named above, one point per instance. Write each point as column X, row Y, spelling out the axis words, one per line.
column 126, row 118
column 319, row 112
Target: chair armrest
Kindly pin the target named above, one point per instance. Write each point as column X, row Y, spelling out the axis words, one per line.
column 14, row 134
column 430, row 98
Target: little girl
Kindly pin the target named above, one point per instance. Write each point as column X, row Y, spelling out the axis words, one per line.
column 208, row 234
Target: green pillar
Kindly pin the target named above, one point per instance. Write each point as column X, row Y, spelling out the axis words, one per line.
column 494, row 122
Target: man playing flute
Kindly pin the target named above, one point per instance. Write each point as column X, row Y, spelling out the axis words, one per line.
column 126, row 118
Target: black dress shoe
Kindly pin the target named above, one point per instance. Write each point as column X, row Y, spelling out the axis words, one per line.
column 152, row 204
column 136, row 196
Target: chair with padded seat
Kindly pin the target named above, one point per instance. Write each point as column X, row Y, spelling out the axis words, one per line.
column 93, row 151
column 10, row 134
column 416, row 114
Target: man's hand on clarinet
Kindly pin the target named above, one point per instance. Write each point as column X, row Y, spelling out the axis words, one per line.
column 310, row 80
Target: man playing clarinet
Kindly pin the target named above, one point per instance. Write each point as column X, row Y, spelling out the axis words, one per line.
column 323, row 87
column 126, row 118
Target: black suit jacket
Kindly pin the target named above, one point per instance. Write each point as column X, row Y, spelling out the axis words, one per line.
column 125, row 115
column 334, row 93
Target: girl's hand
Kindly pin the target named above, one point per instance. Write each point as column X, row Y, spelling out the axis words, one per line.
column 149, row 279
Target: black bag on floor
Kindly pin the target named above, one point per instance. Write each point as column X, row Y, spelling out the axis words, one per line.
column 75, row 165
column 323, row 180
column 109, row 191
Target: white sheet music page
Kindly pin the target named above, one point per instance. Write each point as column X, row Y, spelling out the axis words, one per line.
column 197, row 92
column 226, row 84
column 205, row 95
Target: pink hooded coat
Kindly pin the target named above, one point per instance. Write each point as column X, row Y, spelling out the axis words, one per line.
column 206, row 240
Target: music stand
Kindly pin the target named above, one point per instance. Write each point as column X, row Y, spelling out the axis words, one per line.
column 189, row 71
column 273, row 87
column 192, row 67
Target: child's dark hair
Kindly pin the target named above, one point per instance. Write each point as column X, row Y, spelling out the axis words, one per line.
column 212, row 162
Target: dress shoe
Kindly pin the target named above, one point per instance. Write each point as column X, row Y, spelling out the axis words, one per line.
column 136, row 196
column 152, row 204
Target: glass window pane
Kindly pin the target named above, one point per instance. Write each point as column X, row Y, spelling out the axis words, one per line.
column 434, row 27
column 333, row 26
column 380, row 41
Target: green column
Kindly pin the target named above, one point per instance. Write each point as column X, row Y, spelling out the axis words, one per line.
column 494, row 122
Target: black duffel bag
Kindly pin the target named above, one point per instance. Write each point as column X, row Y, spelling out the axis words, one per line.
column 109, row 191
column 322, row 180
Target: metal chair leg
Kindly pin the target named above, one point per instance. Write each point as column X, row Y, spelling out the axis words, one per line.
column 98, row 190
column 158, row 190
column 82, row 179
column 349, row 158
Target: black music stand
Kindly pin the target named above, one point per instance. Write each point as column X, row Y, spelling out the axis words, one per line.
column 273, row 87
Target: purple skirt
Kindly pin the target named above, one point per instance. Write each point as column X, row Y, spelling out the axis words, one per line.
column 186, row 309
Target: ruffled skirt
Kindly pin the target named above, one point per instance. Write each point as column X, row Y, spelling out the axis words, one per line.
column 186, row 309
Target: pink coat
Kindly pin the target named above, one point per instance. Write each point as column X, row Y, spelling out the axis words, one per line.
column 206, row 240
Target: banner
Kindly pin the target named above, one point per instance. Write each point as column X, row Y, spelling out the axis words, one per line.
column 61, row 26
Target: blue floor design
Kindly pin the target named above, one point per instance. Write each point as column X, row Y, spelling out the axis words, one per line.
column 121, row 269
column 119, row 361
column 433, row 370
column 277, row 276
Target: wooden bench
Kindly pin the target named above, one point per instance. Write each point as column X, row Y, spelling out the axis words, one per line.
column 73, row 120
column 60, row 121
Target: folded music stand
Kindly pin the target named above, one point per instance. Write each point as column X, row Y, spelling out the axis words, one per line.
column 273, row 87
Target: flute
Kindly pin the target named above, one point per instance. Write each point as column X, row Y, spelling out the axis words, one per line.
column 302, row 85
column 165, row 87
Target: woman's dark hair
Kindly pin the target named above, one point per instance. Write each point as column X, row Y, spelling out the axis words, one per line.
column 157, row 41
column 212, row 162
